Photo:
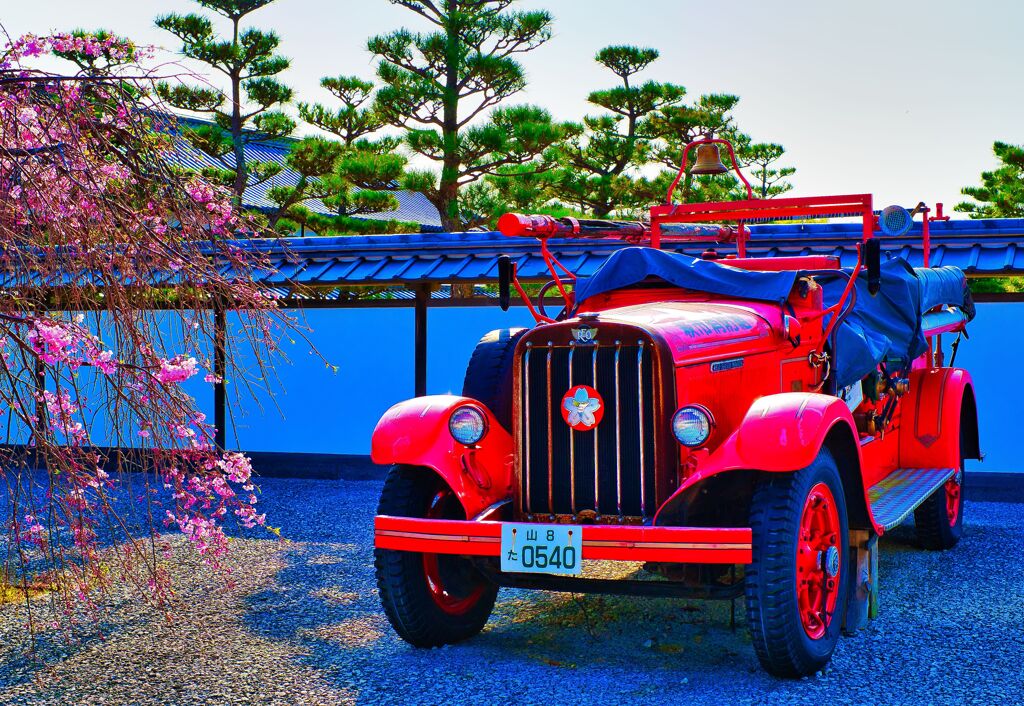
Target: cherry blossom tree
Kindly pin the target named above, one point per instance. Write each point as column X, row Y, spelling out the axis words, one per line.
column 111, row 262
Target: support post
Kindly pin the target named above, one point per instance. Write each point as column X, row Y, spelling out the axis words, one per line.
column 39, row 430
column 863, row 603
column 422, row 297
column 220, row 335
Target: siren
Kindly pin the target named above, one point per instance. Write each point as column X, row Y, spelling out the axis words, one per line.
column 895, row 220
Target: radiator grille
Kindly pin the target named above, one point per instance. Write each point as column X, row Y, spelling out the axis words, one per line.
column 608, row 470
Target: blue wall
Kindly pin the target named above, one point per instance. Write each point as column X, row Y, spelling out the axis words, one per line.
column 992, row 356
column 327, row 412
column 331, row 412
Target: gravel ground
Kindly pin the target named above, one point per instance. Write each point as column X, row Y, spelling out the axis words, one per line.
column 304, row 626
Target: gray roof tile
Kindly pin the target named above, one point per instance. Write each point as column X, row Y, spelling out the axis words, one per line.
column 413, row 206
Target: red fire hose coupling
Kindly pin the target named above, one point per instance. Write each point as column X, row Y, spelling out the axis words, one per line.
column 518, row 225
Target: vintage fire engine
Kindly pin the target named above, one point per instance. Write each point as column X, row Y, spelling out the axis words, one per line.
column 737, row 426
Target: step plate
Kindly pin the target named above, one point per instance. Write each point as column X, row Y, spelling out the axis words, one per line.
column 899, row 494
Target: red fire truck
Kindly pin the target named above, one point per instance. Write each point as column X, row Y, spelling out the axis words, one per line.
column 736, row 426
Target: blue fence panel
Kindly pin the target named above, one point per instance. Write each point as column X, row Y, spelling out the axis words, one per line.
column 314, row 409
column 992, row 356
column 310, row 408
column 373, row 349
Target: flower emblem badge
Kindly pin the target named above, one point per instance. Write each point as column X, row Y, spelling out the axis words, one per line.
column 582, row 408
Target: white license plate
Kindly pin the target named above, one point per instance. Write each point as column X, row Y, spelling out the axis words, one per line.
column 541, row 549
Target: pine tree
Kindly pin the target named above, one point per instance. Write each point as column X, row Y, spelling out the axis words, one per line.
column 313, row 159
column 350, row 181
column 1001, row 194
column 446, row 86
column 354, row 119
column 600, row 161
column 681, row 124
column 768, row 180
column 352, row 175
column 519, row 188
column 249, row 111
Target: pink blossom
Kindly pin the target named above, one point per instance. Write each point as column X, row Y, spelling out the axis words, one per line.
column 236, row 466
column 178, row 369
column 81, row 207
column 105, row 362
column 51, row 340
column 200, row 192
column 33, row 532
column 60, row 411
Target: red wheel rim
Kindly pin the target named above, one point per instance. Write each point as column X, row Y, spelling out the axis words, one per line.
column 819, row 561
column 448, row 602
column 953, row 492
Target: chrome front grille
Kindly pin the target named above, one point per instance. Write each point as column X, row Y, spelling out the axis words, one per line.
column 607, row 473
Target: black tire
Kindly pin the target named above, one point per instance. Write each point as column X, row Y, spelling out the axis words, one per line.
column 402, row 582
column 932, row 517
column 489, row 373
column 783, row 645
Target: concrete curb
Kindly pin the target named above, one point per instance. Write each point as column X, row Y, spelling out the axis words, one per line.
column 995, row 487
column 274, row 464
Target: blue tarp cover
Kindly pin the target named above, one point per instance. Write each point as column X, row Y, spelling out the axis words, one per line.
column 877, row 328
column 944, row 285
column 631, row 266
column 887, row 326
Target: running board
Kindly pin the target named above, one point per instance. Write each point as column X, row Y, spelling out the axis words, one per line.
column 898, row 494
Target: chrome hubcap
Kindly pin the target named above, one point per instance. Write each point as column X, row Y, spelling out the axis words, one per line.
column 828, row 560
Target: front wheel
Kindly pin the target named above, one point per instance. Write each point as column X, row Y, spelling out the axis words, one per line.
column 796, row 585
column 429, row 599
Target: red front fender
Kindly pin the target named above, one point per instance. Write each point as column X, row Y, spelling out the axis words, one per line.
column 415, row 433
column 782, row 432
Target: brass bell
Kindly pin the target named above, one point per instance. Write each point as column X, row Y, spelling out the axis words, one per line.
column 709, row 160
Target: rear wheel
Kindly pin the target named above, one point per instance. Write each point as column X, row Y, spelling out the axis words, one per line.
column 489, row 373
column 939, row 520
column 796, row 586
column 430, row 599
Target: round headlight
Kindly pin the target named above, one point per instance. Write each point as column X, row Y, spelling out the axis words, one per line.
column 692, row 425
column 467, row 425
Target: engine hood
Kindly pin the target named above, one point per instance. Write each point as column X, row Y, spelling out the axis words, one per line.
column 695, row 329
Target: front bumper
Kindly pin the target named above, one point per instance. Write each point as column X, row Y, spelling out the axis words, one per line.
column 694, row 545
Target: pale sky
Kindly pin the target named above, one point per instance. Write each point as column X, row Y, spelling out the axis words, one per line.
column 899, row 98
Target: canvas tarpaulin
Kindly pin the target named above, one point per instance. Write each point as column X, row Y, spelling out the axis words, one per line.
column 886, row 326
column 631, row 266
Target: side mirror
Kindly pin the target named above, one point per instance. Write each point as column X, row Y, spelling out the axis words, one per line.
column 873, row 262
column 505, row 269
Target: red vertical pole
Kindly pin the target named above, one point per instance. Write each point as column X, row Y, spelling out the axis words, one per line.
column 655, row 233
column 926, row 238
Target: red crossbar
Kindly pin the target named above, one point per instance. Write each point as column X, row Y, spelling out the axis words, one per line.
column 703, row 545
column 840, row 203
column 781, row 264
